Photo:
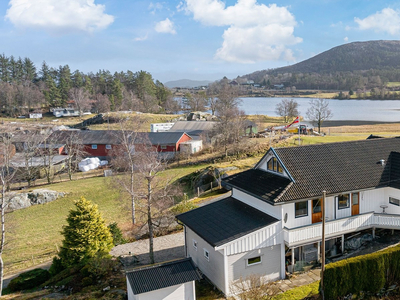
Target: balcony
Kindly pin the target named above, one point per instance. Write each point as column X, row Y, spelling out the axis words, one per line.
column 334, row 228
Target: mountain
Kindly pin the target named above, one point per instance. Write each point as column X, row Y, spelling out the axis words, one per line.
column 350, row 57
column 186, row 83
column 351, row 66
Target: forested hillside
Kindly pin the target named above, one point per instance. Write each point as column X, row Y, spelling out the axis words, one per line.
column 24, row 87
column 357, row 65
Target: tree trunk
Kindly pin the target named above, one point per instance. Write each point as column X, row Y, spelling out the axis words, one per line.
column 133, row 197
column 3, row 234
column 150, row 221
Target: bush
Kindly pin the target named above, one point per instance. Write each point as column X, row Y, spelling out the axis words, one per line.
column 116, row 233
column 367, row 273
column 182, row 207
column 29, row 280
column 56, row 267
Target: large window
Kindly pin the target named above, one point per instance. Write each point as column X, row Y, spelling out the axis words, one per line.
column 274, row 165
column 301, row 209
column 394, row 201
column 343, row 201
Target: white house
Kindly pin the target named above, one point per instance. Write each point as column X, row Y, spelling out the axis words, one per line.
column 271, row 223
column 168, row 281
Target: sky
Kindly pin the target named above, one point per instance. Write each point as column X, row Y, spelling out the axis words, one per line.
column 188, row 39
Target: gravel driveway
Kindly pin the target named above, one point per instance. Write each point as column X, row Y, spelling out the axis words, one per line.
column 166, row 248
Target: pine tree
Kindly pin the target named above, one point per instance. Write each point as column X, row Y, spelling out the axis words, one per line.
column 85, row 235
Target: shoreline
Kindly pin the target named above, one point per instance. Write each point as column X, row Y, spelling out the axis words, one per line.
column 338, row 123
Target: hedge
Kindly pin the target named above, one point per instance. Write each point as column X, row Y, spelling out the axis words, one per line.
column 29, row 280
column 370, row 272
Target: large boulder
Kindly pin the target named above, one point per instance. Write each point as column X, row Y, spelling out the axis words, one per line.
column 38, row 196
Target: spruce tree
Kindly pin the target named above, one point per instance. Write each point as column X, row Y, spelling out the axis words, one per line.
column 85, row 235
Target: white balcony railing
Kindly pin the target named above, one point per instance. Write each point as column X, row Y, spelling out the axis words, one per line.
column 312, row 233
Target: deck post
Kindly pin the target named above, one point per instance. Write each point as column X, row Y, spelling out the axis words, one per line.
column 292, row 260
column 319, row 251
column 342, row 243
column 373, row 232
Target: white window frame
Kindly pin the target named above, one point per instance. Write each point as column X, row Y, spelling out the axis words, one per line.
column 255, row 263
column 195, row 244
column 108, row 147
column 348, row 201
column 206, row 254
column 94, row 146
column 396, row 200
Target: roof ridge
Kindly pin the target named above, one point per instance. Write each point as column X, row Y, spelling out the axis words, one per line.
column 162, row 264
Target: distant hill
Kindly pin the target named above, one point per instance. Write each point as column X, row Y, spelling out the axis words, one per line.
column 186, row 83
column 348, row 63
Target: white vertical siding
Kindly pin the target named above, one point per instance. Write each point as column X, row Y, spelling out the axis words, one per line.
column 270, row 265
column 292, row 221
column 392, row 208
column 272, row 210
column 267, row 236
column 177, row 292
column 371, row 200
column 212, row 268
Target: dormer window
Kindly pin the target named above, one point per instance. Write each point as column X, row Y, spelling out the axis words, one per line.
column 274, row 165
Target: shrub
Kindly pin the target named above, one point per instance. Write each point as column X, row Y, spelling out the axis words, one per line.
column 29, row 280
column 56, row 267
column 182, row 207
column 116, row 233
column 85, row 235
column 368, row 273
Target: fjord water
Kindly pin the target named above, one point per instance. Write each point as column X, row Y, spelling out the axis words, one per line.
column 357, row 110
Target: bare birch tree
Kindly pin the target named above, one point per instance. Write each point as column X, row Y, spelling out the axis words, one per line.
column 81, row 99
column 124, row 158
column 6, row 177
column 73, row 146
column 156, row 194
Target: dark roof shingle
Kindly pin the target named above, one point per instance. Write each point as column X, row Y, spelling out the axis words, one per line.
column 225, row 220
column 161, row 276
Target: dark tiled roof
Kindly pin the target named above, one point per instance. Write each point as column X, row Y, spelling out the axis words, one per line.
column 259, row 183
column 225, row 220
column 161, row 276
column 340, row 167
column 113, row 137
column 334, row 167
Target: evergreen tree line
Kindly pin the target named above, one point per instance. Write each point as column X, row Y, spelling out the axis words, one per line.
column 24, row 88
column 329, row 81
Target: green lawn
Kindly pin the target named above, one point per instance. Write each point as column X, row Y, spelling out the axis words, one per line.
column 33, row 234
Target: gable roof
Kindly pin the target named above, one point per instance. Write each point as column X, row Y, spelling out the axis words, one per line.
column 225, row 220
column 188, row 126
column 163, row 275
column 333, row 167
column 264, row 185
column 113, row 137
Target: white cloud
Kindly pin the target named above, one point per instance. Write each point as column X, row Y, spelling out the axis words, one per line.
column 256, row 32
column 386, row 20
column 58, row 16
column 140, row 38
column 346, row 39
column 155, row 6
column 166, row 26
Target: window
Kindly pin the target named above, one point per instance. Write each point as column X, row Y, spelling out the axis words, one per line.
column 254, row 261
column 394, row 201
column 316, row 203
column 274, row 165
column 163, row 147
column 108, row 147
column 343, row 201
column 94, row 146
column 301, row 209
column 195, row 244
column 206, row 254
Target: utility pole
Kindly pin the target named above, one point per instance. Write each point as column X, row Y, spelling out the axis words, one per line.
column 323, row 246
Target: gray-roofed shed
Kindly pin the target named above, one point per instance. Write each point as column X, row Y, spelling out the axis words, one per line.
column 163, row 275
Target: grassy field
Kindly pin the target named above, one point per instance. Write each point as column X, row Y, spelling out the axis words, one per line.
column 34, row 233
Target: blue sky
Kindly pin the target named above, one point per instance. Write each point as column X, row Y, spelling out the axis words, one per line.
column 193, row 39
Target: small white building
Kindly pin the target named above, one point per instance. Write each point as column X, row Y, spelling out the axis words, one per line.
column 35, row 115
column 191, row 147
column 160, row 127
column 65, row 112
column 168, row 281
